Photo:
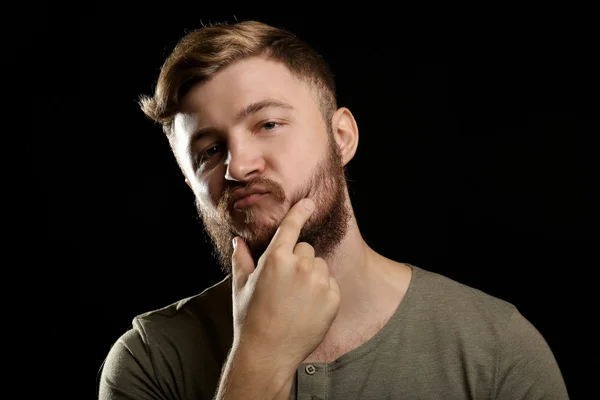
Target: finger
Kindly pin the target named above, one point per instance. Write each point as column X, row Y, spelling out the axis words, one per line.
column 304, row 249
column 321, row 268
column 334, row 287
column 242, row 264
column 289, row 230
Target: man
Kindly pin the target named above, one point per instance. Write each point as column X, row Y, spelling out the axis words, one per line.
column 308, row 309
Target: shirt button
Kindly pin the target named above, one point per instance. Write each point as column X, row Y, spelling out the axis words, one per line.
column 310, row 369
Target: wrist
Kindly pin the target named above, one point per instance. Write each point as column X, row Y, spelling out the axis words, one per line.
column 248, row 376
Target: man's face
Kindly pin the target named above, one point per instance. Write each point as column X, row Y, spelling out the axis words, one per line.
column 255, row 126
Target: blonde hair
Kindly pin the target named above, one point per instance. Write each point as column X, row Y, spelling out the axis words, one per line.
column 201, row 53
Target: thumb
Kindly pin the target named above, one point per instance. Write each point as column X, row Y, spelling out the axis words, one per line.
column 242, row 264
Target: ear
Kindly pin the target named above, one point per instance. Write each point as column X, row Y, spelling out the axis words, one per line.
column 345, row 133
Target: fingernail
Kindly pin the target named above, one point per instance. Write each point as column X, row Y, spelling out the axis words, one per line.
column 309, row 204
column 234, row 242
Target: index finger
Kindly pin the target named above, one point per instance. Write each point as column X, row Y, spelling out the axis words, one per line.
column 289, row 230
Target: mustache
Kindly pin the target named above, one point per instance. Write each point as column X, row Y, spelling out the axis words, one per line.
column 269, row 185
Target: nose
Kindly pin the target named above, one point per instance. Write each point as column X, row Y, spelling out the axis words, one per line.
column 243, row 163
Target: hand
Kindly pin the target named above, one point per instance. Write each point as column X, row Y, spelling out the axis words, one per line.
column 283, row 307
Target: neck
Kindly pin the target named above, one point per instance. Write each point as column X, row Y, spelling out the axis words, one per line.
column 367, row 280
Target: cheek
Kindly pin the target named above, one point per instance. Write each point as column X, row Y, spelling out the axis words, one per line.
column 209, row 189
column 299, row 158
column 295, row 177
column 214, row 191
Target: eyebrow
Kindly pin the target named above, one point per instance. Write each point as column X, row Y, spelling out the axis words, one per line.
column 244, row 113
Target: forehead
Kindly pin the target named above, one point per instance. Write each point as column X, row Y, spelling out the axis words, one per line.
column 217, row 101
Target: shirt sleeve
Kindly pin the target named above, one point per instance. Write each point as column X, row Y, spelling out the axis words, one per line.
column 527, row 369
column 127, row 372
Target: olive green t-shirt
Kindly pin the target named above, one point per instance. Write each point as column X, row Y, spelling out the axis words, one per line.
column 445, row 341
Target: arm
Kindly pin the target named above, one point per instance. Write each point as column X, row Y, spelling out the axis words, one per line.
column 128, row 374
column 527, row 369
column 246, row 376
column 125, row 376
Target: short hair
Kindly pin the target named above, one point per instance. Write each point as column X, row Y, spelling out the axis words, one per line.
column 203, row 52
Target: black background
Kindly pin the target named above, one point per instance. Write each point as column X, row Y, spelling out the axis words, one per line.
column 477, row 160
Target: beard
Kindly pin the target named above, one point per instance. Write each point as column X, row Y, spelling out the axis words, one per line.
column 324, row 230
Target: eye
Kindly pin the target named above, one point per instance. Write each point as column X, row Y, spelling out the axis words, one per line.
column 211, row 151
column 270, row 125
column 206, row 155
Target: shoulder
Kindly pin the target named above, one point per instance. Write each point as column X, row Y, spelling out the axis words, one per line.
column 162, row 345
column 206, row 315
column 456, row 314
column 212, row 306
column 459, row 299
column 195, row 324
column 492, row 332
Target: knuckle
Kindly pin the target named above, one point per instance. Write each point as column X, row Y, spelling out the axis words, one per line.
column 319, row 261
column 278, row 255
column 320, row 265
column 303, row 246
column 335, row 296
column 304, row 264
column 323, row 282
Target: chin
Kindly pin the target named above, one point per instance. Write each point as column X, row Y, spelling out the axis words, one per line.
column 257, row 220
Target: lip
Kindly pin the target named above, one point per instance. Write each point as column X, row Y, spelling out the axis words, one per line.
column 249, row 200
column 245, row 197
